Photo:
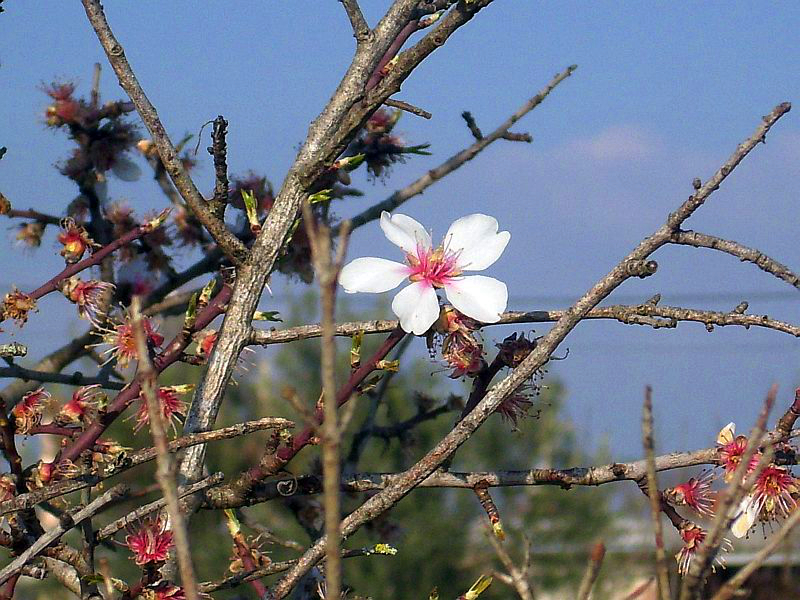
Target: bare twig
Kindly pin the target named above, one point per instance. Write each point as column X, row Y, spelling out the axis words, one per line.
column 729, row 589
column 596, row 556
column 414, row 110
column 662, row 573
column 31, row 499
column 76, row 378
column 648, row 315
column 361, row 30
column 219, row 150
column 518, row 578
column 63, row 526
column 743, row 253
column 165, row 471
column 457, row 160
column 229, row 243
column 327, row 272
column 112, row 528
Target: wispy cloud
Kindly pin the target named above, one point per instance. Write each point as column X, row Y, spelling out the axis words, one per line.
column 616, row 143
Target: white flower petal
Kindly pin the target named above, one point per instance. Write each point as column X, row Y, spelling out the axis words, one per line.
column 747, row 517
column 727, row 434
column 417, row 307
column 476, row 239
column 405, row 232
column 373, row 275
column 480, row 297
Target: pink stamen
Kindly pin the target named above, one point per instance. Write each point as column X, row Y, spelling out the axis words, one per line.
column 437, row 267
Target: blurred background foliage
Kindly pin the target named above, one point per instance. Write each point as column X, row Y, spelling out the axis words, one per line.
column 440, row 534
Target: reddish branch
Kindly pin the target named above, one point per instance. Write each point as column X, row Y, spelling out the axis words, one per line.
column 130, row 394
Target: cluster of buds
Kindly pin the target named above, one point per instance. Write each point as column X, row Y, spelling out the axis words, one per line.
column 75, row 241
column 91, row 297
column 17, row 305
column 82, row 407
column 150, row 542
column 121, row 340
column 27, row 413
column 380, row 147
column 172, row 407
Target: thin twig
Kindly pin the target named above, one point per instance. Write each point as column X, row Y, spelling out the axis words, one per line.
column 165, row 471
column 327, row 272
column 743, row 253
column 518, row 578
column 112, row 528
column 742, row 481
column 458, row 159
column 662, row 573
column 729, row 589
column 596, row 556
column 414, row 110
column 63, row 526
column 76, row 378
column 230, row 244
column 649, row 315
column 361, row 30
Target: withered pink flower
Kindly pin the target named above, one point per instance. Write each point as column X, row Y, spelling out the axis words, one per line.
column 28, row 412
column 695, row 493
column 514, row 349
column 151, row 542
column 91, row 297
column 65, row 109
column 515, row 407
column 17, row 305
column 463, row 354
column 172, row 407
column 773, row 493
column 122, row 341
column 75, row 239
column 81, row 406
column 693, row 536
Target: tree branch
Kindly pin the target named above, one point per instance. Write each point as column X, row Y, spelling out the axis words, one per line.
column 229, row 243
column 388, row 497
column 743, row 253
column 457, row 160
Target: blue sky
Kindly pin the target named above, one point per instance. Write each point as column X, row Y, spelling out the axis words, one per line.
column 663, row 93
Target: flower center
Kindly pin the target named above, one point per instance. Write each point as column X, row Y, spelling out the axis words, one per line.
column 434, row 266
